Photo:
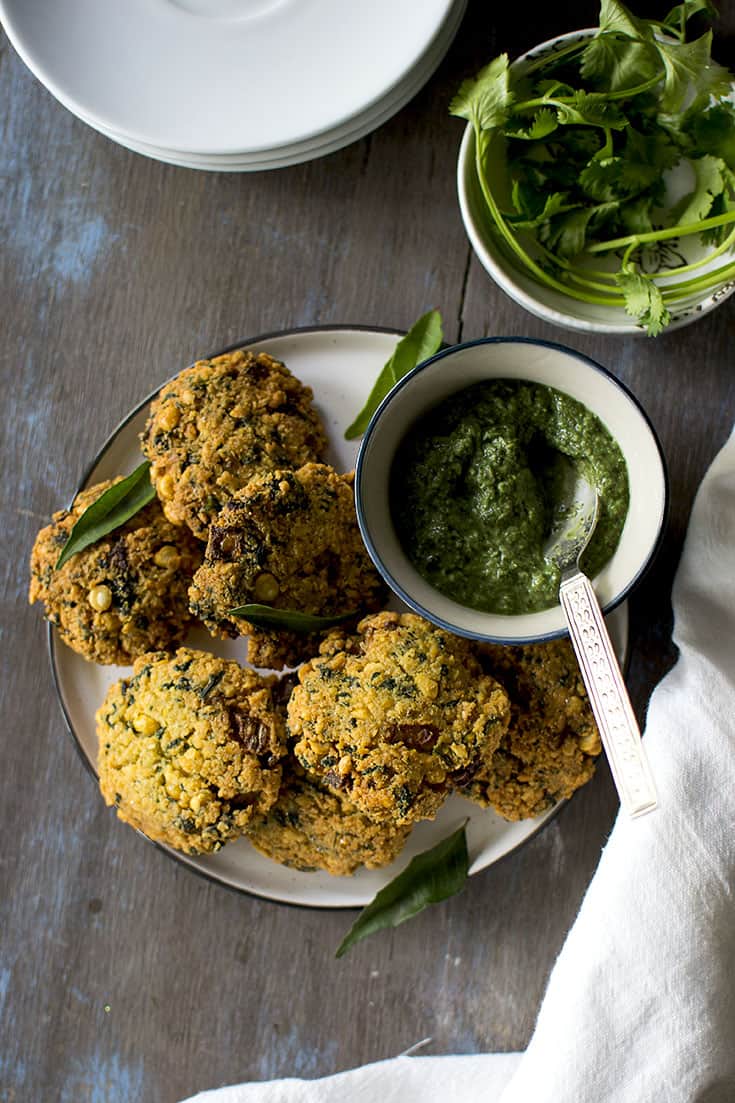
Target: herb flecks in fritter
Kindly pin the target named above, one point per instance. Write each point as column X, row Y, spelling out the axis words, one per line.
column 552, row 741
column 395, row 715
column 219, row 423
column 190, row 748
column 123, row 595
column 289, row 539
column 311, row 828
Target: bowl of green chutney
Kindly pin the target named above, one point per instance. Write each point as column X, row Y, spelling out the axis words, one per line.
column 463, row 474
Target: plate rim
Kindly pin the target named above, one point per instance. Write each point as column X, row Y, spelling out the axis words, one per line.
column 52, row 641
column 29, row 55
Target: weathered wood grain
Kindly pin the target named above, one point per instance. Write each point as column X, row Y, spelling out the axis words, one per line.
column 123, row 976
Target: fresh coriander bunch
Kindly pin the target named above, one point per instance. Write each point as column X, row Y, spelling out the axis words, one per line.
column 575, row 155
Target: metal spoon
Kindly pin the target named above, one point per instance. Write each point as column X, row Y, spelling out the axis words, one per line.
column 608, row 696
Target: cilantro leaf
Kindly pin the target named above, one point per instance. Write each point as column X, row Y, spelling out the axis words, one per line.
column 713, row 131
column 616, row 18
column 556, row 203
column 485, row 100
column 643, row 300
column 593, row 110
column 567, row 234
column 682, row 13
column 543, row 123
column 618, row 63
column 690, row 72
column 709, row 182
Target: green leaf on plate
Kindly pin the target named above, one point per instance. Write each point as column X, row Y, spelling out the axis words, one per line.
column 113, row 508
column 287, row 620
column 427, row 879
column 423, row 339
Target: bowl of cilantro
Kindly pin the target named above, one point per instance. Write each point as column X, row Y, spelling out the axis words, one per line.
column 596, row 174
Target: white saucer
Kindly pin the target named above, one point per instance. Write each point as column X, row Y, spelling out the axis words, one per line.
column 341, row 365
column 215, row 77
column 297, row 152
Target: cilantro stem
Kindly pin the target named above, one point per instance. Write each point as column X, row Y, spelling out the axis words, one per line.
column 512, row 241
column 664, row 235
column 701, row 283
column 562, row 52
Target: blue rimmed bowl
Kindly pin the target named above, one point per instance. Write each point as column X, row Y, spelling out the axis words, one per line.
column 549, row 364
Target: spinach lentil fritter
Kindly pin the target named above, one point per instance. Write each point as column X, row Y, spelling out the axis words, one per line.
column 125, row 594
column 220, row 422
column 288, row 539
column 552, row 742
column 395, row 715
column 190, row 748
column 311, row 828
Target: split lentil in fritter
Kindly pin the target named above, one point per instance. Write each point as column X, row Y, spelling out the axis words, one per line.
column 125, row 594
column 395, row 715
column 288, row 539
column 552, row 742
column 220, row 422
column 311, row 828
column 190, row 749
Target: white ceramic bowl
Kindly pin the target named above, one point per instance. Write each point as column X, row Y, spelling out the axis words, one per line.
column 554, row 306
column 541, row 362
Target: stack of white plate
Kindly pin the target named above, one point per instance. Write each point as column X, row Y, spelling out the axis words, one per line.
column 232, row 85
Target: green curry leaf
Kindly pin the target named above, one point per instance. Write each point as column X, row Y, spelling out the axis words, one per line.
column 113, row 508
column 423, row 339
column 429, row 878
column 287, row 620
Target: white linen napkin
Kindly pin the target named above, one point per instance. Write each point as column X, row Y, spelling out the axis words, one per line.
column 640, row 1006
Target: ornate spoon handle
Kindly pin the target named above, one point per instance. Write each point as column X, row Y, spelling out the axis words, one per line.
column 608, row 696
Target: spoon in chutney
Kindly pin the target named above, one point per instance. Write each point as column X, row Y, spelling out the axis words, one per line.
column 603, row 680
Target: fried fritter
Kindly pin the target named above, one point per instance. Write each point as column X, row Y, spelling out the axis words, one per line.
column 395, row 715
column 125, row 594
column 220, row 422
column 552, row 742
column 190, row 749
column 288, row 539
column 311, row 828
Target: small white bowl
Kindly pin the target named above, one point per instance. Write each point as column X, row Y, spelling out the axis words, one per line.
column 554, row 306
column 553, row 365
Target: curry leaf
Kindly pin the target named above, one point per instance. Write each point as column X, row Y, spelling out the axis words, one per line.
column 423, row 339
column 113, row 508
column 429, row 878
column 287, row 620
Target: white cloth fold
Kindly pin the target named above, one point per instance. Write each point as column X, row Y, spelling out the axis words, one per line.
column 640, row 1006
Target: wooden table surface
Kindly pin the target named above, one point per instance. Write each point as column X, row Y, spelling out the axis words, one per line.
column 122, row 975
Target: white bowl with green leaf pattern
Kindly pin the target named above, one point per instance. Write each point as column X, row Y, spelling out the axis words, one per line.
column 558, row 304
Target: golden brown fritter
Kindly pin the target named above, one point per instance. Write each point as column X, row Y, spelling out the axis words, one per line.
column 394, row 716
column 220, row 422
column 288, row 539
column 190, row 749
column 124, row 595
column 311, row 828
column 552, row 742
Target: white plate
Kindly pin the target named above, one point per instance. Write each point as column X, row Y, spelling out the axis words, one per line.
column 341, row 365
column 297, row 152
column 221, row 76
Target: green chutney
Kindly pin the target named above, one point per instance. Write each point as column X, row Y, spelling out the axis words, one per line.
column 476, row 487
